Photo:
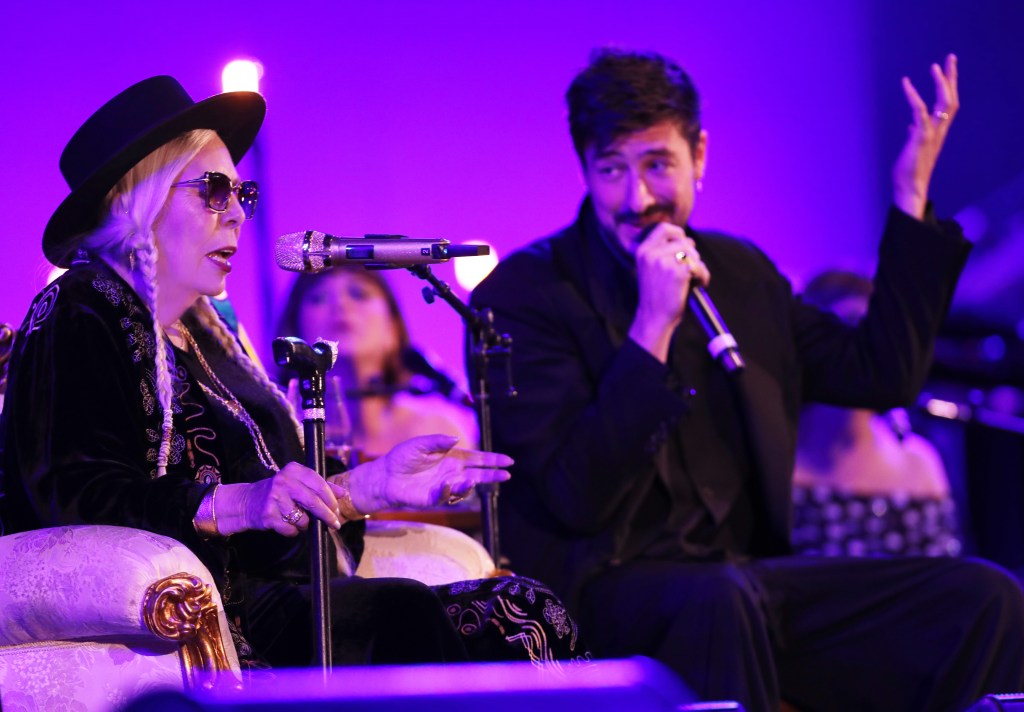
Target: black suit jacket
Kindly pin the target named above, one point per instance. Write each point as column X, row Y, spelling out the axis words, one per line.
column 588, row 429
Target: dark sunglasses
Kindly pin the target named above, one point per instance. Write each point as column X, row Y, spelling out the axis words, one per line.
column 216, row 190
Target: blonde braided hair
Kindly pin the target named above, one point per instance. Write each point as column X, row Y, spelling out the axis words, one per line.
column 146, row 256
column 125, row 239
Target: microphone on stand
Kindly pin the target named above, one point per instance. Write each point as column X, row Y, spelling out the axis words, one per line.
column 312, row 251
column 721, row 343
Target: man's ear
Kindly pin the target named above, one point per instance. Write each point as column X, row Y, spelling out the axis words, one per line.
column 700, row 155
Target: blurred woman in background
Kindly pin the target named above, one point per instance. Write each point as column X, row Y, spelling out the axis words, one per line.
column 864, row 484
column 381, row 389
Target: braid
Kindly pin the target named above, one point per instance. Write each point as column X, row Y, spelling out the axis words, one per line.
column 146, row 255
column 131, row 209
column 210, row 319
column 125, row 239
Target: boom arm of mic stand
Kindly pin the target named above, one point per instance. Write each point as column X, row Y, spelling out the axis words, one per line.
column 486, row 343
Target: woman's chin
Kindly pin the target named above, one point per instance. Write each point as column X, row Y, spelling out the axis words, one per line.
column 348, row 346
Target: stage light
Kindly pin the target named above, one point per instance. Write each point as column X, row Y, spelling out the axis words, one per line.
column 947, row 409
column 470, row 271
column 241, row 75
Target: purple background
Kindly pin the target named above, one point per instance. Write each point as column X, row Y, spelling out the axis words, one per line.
column 447, row 119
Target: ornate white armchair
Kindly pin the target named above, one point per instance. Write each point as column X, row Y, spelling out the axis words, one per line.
column 93, row 616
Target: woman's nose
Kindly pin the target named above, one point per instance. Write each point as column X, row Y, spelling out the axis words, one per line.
column 342, row 301
column 234, row 214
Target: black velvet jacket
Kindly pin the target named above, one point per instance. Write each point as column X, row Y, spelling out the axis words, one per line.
column 81, row 428
column 617, row 453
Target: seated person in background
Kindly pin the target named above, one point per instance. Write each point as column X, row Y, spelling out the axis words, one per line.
column 864, row 484
column 131, row 403
column 373, row 391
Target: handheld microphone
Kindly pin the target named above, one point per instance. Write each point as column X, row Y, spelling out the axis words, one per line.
column 313, row 251
column 721, row 343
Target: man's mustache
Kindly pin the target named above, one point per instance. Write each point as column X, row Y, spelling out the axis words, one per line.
column 660, row 212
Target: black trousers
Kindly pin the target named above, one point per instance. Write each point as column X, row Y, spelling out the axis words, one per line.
column 373, row 621
column 821, row 633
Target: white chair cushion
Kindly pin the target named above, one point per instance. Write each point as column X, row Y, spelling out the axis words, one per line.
column 428, row 553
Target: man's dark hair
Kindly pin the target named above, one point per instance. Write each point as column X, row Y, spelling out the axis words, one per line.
column 623, row 92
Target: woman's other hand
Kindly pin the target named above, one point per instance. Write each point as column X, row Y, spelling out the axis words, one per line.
column 283, row 503
column 913, row 170
column 424, row 471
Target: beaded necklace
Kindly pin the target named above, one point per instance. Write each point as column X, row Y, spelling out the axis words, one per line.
column 227, row 399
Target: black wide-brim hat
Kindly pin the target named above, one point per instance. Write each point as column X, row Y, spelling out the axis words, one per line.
column 125, row 130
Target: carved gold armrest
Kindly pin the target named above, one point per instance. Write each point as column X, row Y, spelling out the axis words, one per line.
column 181, row 608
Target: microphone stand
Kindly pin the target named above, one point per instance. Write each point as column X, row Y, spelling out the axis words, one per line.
column 310, row 364
column 486, row 343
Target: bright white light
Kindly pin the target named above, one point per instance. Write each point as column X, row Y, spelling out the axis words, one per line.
column 944, row 409
column 241, row 75
column 470, row 271
column 54, row 273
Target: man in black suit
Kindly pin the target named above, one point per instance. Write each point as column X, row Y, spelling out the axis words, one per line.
column 652, row 489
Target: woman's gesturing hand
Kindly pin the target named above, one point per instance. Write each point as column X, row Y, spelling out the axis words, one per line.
column 423, row 471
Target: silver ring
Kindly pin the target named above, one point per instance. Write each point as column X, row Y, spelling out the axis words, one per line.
column 940, row 115
column 455, row 499
column 293, row 516
column 680, row 257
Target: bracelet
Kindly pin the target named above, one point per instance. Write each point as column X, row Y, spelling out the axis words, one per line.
column 348, row 509
column 205, row 521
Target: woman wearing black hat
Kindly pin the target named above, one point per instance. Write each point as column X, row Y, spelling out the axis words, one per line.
column 130, row 403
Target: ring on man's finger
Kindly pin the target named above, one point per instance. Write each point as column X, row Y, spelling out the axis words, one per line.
column 681, row 256
column 940, row 115
column 455, row 499
column 293, row 516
